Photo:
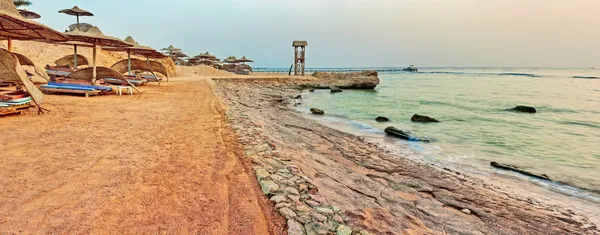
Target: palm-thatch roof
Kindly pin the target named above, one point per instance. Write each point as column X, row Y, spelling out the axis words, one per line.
column 15, row 26
column 96, row 37
column 23, row 60
column 70, row 60
column 151, row 54
column 243, row 59
column 29, row 14
column 136, row 48
column 136, row 64
column 101, row 73
column 11, row 71
column 158, row 68
column 170, row 48
column 76, row 11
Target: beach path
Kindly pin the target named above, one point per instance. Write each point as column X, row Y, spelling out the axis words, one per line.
column 161, row 162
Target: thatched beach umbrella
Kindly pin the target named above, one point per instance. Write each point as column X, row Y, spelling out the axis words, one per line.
column 243, row 60
column 207, row 58
column 171, row 48
column 29, row 14
column 230, row 60
column 76, row 11
column 95, row 37
column 135, row 48
column 13, row 26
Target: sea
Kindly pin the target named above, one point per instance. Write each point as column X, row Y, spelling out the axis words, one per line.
column 561, row 140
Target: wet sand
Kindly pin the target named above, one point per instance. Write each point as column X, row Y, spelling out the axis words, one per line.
column 165, row 161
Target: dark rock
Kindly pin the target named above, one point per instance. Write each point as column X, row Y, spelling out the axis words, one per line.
column 312, row 90
column 298, row 97
column 335, row 89
column 405, row 135
column 317, row 111
column 523, row 109
column 421, row 118
column 382, row 119
column 519, row 170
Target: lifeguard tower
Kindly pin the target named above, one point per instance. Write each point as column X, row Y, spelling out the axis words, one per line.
column 299, row 57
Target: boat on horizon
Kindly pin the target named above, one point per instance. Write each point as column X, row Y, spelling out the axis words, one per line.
column 411, row 68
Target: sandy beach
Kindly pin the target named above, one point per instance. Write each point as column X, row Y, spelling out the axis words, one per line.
column 287, row 118
column 165, row 161
column 185, row 156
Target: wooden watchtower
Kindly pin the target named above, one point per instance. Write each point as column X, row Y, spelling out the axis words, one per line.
column 299, row 57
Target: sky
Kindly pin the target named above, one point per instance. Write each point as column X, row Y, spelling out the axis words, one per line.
column 356, row 33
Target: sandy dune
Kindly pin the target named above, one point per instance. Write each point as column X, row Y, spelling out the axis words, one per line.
column 162, row 162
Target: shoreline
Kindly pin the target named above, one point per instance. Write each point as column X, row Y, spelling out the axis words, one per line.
column 418, row 152
column 358, row 168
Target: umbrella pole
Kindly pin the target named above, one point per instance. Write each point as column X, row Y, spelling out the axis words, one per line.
column 129, row 61
column 75, row 55
column 78, row 21
column 94, row 65
column 9, row 45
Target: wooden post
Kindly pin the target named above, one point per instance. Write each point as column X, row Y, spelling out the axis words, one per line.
column 75, row 55
column 9, row 45
column 129, row 61
column 94, row 65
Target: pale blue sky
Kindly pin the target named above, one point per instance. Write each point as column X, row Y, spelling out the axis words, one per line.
column 351, row 33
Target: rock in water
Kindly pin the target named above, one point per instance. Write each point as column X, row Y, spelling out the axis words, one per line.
column 335, row 89
column 311, row 90
column 382, row 119
column 317, row 111
column 405, row 135
column 367, row 79
column 523, row 109
column 421, row 118
column 519, row 170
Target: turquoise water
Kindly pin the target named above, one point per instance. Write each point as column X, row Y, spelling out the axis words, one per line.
column 561, row 140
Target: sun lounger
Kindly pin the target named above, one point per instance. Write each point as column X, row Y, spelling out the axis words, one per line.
column 11, row 95
column 100, row 88
column 70, row 89
column 115, row 81
column 58, row 73
column 14, row 108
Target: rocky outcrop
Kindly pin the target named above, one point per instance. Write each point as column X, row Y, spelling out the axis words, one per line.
column 523, row 109
column 317, row 111
column 335, row 89
column 519, row 170
column 405, row 135
column 421, row 118
column 382, row 119
column 370, row 188
column 367, row 79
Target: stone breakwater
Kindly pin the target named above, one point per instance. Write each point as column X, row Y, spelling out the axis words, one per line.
column 294, row 194
column 324, row 181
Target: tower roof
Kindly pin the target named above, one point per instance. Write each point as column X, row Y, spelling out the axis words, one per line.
column 299, row 44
